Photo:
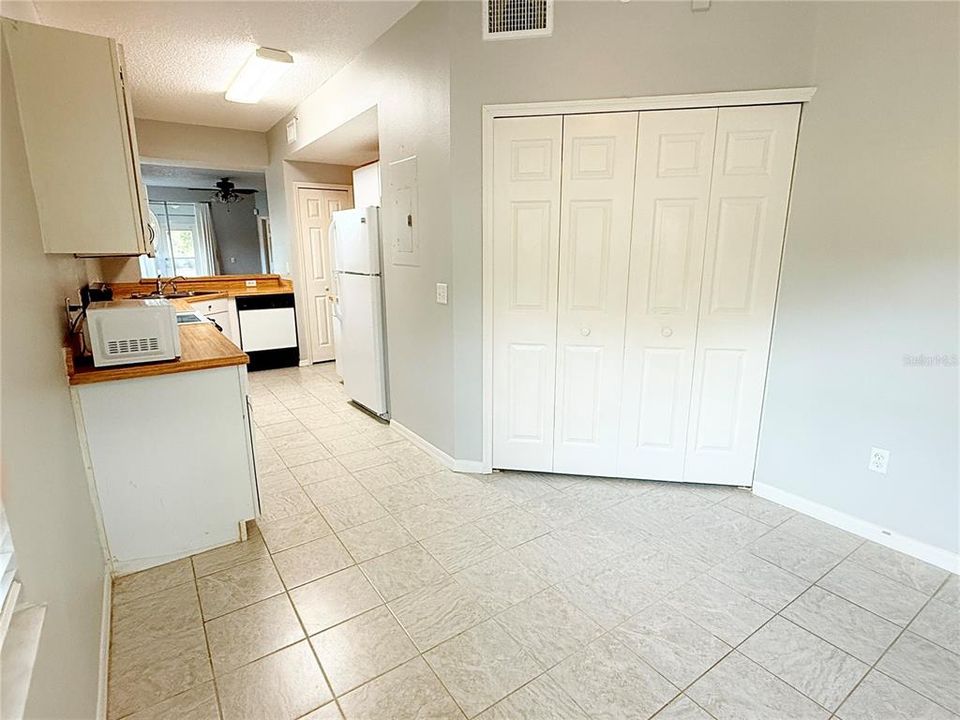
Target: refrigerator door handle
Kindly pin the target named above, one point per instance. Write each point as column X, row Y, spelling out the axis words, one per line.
column 332, row 241
column 335, row 302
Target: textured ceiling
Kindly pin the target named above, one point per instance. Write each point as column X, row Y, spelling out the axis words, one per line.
column 181, row 56
column 355, row 143
column 189, row 177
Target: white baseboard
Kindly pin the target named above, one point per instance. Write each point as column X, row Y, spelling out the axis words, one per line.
column 105, row 618
column 451, row 463
column 910, row 546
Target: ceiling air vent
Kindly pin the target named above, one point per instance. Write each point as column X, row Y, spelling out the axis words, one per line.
column 514, row 19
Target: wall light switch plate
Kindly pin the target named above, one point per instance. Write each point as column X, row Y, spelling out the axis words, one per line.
column 699, row 5
column 292, row 131
column 251, row 283
column 442, row 293
column 878, row 460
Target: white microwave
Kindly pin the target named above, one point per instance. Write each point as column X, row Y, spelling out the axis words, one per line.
column 124, row 332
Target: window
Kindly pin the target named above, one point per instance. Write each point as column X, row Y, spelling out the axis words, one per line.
column 184, row 244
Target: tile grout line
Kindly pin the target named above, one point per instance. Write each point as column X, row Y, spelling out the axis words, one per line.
column 306, row 638
column 732, row 648
column 383, row 603
column 206, row 640
column 735, row 648
column 903, row 630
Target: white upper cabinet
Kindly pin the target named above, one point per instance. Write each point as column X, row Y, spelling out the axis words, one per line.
column 77, row 126
column 366, row 185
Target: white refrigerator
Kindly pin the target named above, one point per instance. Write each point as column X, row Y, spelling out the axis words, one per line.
column 358, row 308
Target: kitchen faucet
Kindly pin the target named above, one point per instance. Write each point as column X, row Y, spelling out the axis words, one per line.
column 161, row 284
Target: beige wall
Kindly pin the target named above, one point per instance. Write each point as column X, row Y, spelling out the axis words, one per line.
column 44, row 485
column 406, row 74
column 870, row 275
column 200, row 146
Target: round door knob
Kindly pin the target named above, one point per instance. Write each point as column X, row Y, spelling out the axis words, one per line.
column 666, row 332
column 584, row 331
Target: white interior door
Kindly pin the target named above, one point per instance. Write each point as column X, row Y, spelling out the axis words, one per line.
column 674, row 162
column 314, row 210
column 599, row 155
column 526, row 222
column 752, row 171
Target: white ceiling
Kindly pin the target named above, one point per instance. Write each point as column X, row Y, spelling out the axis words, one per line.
column 190, row 177
column 354, row 143
column 181, row 56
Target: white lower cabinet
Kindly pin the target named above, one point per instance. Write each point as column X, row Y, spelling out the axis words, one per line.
column 170, row 462
column 223, row 320
column 636, row 261
column 221, row 311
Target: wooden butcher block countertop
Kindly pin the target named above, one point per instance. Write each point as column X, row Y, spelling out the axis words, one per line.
column 202, row 347
column 213, row 287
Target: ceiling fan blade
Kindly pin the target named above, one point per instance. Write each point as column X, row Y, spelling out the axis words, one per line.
column 245, row 192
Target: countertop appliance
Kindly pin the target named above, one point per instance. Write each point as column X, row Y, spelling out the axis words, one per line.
column 362, row 347
column 125, row 332
column 268, row 330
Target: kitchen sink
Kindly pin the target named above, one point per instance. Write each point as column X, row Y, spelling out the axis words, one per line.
column 172, row 295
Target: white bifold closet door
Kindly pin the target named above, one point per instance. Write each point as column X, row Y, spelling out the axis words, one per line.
column 526, row 227
column 671, row 199
column 635, row 269
column 749, row 194
column 599, row 157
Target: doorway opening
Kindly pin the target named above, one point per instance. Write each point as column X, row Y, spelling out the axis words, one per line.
column 315, row 198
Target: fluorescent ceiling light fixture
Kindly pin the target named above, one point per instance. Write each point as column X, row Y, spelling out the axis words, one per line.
column 259, row 72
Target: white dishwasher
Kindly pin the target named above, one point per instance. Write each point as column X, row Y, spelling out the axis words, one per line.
column 268, row 330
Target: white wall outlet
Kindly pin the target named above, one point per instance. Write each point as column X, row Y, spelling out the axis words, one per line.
column 442, row 293
column 699, row 5
column 878, row 460
column 251, row 283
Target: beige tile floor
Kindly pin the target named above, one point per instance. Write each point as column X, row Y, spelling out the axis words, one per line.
column 379, row 585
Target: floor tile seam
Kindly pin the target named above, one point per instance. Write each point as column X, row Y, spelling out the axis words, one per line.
column 306, row 638
column 206, row 639
column 873, row 667
column 114, row 605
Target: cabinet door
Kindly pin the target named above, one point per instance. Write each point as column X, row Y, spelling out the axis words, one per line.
column 599, row 155
column 674, row 162
column 526, row 227
column 752, row 171
column 74, row 117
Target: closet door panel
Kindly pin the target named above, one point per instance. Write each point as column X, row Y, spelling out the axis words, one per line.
column 753, row 168
column 674, row 167
column 599, row 156
column 526, row 223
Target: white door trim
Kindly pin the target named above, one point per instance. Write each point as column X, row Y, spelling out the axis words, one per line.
column 774, row 96
column 298, row 265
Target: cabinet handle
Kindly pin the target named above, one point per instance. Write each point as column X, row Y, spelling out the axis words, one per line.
column 585, row 331
column 666, row 332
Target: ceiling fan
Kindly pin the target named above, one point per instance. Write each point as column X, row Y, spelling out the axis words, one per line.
column 227, row 192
